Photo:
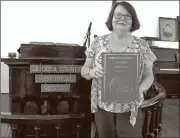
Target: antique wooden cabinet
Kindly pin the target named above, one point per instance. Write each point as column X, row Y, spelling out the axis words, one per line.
column 45, row 80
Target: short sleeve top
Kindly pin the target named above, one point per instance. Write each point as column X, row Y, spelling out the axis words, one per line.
column 94, row 52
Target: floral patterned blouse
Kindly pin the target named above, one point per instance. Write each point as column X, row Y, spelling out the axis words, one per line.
column 93, row 53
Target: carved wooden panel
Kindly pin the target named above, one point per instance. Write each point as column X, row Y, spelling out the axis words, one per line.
column 15, row 108
column 63, row 107
column 21, row 82
column 30, row 108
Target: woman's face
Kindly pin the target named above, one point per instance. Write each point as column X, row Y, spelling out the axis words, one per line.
column 167, row 28
column 122, row 19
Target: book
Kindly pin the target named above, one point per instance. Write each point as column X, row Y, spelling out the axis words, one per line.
column 121, row 80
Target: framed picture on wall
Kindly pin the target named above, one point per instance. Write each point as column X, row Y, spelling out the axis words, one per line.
column 168, row 29
column 177, row 27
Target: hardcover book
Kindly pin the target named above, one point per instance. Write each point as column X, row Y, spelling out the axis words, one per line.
column 121, row 80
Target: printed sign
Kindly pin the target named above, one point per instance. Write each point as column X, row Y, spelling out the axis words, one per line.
column 55, row 88
column 55, row 78
column 55, row 68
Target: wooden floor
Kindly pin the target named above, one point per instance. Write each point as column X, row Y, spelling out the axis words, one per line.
column 170, row 117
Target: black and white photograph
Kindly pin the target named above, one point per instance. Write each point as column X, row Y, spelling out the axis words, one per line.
column 90, row 69
column 168, row 29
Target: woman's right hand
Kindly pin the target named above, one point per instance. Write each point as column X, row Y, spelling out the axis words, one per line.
column 96, row 72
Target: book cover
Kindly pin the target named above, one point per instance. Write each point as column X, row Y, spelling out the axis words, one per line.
column 121, row 80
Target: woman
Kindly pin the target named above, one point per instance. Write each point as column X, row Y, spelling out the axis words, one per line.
column 115, row 119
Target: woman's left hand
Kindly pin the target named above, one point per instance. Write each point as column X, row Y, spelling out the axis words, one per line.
column 141, row 95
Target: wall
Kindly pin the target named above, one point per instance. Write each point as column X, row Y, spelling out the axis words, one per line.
column 5, row 107
column 67, row 22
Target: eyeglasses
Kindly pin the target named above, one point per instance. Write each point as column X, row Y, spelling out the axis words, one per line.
column 119, row 16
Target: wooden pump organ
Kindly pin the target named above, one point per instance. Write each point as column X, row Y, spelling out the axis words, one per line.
column 50, row 99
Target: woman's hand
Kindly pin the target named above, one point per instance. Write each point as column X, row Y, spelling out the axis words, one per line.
column 96, row 72
column 141, row 95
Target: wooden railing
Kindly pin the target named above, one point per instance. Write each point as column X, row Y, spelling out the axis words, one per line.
column 152, row 110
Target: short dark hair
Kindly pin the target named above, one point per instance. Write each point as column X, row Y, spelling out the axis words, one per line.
column 130, row 9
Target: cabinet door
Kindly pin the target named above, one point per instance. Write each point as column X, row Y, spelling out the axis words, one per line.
column 21, row 82
column 171, row 86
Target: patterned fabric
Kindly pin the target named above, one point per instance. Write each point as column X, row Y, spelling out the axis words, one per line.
column 93, row 53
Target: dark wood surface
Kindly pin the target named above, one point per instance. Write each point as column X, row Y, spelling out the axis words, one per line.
column 42, row 60
column 164, row 54
column 170, row 117
column 26, row 98
column 169, row 78
column 153, row 98
column 56, row 50
column 40, row 119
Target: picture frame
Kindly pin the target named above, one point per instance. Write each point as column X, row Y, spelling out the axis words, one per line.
column 168, row 29
column 177, row 21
